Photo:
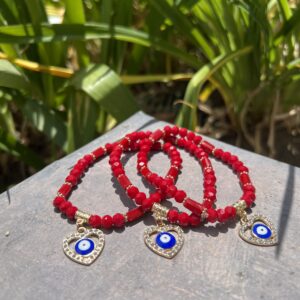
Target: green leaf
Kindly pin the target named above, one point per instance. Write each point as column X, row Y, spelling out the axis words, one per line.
column 183, row 24
column 105, row 87
column 45, row 120
column 187, row 116
column 285, row 9
column 288, row 27
column 9, row 144
column 11, row 77
column 24, row 34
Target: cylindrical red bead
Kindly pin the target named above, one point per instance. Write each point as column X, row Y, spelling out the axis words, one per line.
column 193, row 206
column 208, row 147
column 65, row 189
column 134, row 214
column 124, row 181
column 244, row 178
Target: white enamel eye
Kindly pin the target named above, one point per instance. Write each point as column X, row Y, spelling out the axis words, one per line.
column 84, row 246
column 262, row 231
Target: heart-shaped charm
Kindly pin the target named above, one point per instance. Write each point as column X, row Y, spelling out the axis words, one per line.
column 259, row 230
column 85, row 250
column 164, row 240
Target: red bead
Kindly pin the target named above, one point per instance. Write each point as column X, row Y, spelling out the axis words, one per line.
column 139, row 198
column 65, row 189
column 222, row 215
column 194, row 220
column 190, row 135
column 147, row 204
column 118, row 171
column 76, row 172
column 243, row 169
column 173, row 216
column 64, row 206
column 208, row 147
column 70, row 212
column 118, row 220
column 175, row 130
column 197, row 139
column 244, row 178
column 181, row 142
column 109, row 147
column 72, row 179
column 88, row 158
column 205, row 163
column 182, row 132
column 58, row 201
column 207, row 203
column 132, row 192
column 155, row 197
column 249, row 188
column 124, row 181
column 233, row 159
column 156, row 135
column 210, row 195
column 134, row 214
column 180, row 196
column 230, row 211
column 95, row 221
column 183, row 219
column 171, row 190
column 193, row 206
column 98, row 152
column 218, row 153
column 107, row 222
column 173, row 172
column 226, row 156
column 212, row 215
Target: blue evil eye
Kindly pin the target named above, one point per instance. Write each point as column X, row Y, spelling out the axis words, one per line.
column 165, row 240
column 262, row 231
column 84, row 246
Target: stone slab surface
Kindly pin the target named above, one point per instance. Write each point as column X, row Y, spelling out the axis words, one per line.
column 213, row 264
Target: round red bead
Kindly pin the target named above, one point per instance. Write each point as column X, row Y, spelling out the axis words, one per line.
column 183, row 219
column 107, row 222
column 70, row 212
column 118, row 220
column 173, row 216
column 95, row 221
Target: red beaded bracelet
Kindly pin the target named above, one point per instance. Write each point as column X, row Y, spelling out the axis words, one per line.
column 195, row 145
column 86, row 250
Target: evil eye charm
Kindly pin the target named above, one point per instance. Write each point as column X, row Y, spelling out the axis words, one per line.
column 259, row 230
column 84, row 246
column 165, row 240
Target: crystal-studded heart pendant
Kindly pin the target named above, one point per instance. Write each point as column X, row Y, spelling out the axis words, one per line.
column 166, row 240
column 84, row 247
column 258, row 230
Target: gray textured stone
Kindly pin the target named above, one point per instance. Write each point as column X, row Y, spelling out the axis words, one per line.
column 213, row 264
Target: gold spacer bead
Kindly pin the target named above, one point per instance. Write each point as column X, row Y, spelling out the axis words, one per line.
column 82, row 215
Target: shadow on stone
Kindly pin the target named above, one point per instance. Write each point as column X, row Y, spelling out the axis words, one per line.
column 286, row 207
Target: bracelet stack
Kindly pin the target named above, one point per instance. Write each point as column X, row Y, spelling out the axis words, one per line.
column 166, row 237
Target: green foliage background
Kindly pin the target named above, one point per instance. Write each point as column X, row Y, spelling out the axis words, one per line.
column 246, row 50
